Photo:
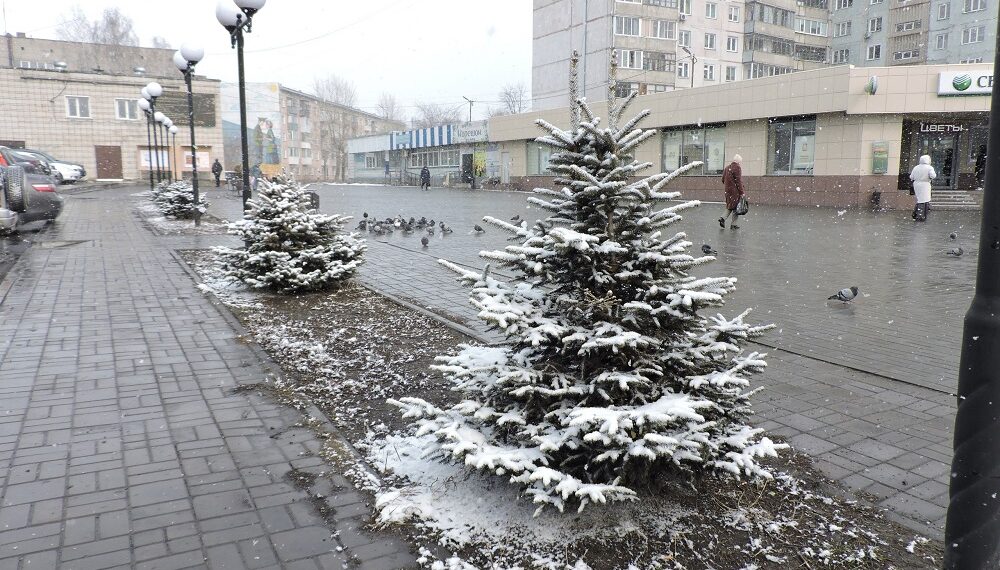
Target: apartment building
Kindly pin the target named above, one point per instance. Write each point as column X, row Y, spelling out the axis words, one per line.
column 295, row 131
column 672, row 44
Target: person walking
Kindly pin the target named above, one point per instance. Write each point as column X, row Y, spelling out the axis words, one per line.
column 425, row 178
column 217, row 171
column 732, row 177
column 921, row 175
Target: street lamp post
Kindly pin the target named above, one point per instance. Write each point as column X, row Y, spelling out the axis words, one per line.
column 185, row 59
column 972, row 530
column 158, row 123
column 165, row 126
column 144, row 105
column 173, row 150
column 237, row 17
column 150, row 92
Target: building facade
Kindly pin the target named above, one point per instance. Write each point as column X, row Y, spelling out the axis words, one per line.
column 78, row 103
column 294, row 131
column 819, row 137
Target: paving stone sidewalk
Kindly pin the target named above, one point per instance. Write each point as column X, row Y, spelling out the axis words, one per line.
column 122, row 441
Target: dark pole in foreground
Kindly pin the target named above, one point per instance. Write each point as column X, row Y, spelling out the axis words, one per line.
column 149, row 148
column 166, row 143
column 156, row 143
column 244, row 144
column 972, row 531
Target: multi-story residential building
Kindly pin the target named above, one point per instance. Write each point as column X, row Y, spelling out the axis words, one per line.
column 962, row 31
column 78, row 101
column 295, row 131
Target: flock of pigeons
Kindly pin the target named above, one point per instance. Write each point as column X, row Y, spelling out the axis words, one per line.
column 430, row 227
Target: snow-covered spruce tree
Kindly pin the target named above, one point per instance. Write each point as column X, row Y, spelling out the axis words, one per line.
column 176, row 200
column 290, row 247
column 611, row 377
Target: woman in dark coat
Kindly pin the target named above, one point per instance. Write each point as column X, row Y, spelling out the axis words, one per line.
column 732, row 177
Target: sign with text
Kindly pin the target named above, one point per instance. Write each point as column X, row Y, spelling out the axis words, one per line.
column 971, row 82
column 471, row 132
column 880, row 157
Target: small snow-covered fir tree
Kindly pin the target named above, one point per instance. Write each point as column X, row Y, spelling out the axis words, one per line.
column 290, row 247
column 176, row 200
column 611, row 376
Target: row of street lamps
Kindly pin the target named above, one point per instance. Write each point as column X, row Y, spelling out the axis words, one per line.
column 237, row 17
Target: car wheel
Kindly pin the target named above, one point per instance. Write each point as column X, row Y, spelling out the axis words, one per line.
column 15, row 188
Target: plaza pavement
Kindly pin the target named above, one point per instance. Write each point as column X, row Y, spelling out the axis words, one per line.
column 123, row 444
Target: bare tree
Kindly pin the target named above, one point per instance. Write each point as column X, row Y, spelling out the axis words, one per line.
column 161, row 42
column 431, row 114
column 513, row 100
column 112, row 28
column 388, row 108
column 336, row 90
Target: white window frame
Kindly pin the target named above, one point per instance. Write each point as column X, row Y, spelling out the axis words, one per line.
column 732, row 44
column 73, row 110
column 874, row 2
column 968, row 37
column 711, row 41
column 708, row 72
column 684, row 7
column 810, row 27
column 734, row 14
column 625, row 25
column 843, row 4
column 730, row 73
column 684, row 38
column 842, row 29
column 908, row 26
column 906, row 54
column 630, row 59
column 971, row 60
column 944, row 11
column 683, row 69
column 841, row 56
column 131, row 108
column 712, row 10
column 941, row 41
column 664, row 29
column 874, row 52
column 874, row 24
column 974, row 6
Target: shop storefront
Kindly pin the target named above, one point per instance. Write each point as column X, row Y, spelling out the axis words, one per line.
column 956, row 144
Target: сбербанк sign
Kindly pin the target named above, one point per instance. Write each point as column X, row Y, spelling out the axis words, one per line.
column 972, row 82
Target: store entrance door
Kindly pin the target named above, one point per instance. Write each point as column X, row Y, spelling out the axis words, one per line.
column 943, row 150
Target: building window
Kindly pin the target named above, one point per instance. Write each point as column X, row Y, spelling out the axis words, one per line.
column 841, row 4
column 684, row 7
column 656, row 88
column 432, row 158
column 624, row 88
column 874, row 2
column 841, row 56
column 973, row 35
column 791, row 145
column 841, row 29
column 906, row 54
column 683, row 69
column 657, row 61
column 708, row 72
column 755, row 70
column 538, row 158
column 706, row 144
column 732, row 43
column 734, row 13
column 771, row 15
column 971, row 60
column 661, row 3
column 126, row 109
column 665, row 29
column 631, row 59
column 730, row 73
column 941, row 41
column 709, row 41
column 974, row 5
column 908, row 26
column 711, row 10
column 373, row 161
column 874, row 25
column 78, row 107
column 944, row 10
column 874, row 52
column 811, row 27
column 631, row 1
column 684, row 38
column 626, row 26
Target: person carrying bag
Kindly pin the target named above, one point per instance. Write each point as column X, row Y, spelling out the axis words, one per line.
column 736, row 201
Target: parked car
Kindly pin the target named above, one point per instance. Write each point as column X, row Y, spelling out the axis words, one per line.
column 13, row 157
column 40, row 202
column 71, row 171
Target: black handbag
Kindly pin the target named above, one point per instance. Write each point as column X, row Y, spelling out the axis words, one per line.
column 743, row 206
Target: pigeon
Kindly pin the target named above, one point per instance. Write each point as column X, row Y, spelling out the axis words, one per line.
column 953, row 235
column 430, row 230
column 844, row 295
column 364, row 215
column 445, row 229
column 516, row 219
column 707, row 250
column 956, row 251
column 424, row 241
column 478, row 228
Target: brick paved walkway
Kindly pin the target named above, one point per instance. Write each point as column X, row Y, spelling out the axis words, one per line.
column 122, row 443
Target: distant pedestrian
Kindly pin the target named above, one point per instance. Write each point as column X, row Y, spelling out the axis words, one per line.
column 732, row 177
column 217, row 171
column 255, row 174
column 921, row 175
column 425, row 178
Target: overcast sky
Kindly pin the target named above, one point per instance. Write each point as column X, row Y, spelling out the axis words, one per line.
column 419, row 50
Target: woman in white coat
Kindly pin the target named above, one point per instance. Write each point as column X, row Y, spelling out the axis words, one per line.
column 921, row 175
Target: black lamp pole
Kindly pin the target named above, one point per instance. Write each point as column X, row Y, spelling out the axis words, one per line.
column 149, row 146
column 156, row 143
column 972, row 530
column 244, row 143
column 166, row 143
column 188, row 72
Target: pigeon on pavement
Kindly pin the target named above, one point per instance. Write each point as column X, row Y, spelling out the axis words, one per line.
column 845, row 295
column 956, row 251
column 953, row 235
column 707, row 250
column 478, row 228
column 516, row 219
column 424, row 241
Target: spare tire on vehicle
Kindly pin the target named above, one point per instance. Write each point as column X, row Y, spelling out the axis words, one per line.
column 15, row 189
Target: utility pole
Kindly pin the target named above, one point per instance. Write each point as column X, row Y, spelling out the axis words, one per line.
column 470, row 106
